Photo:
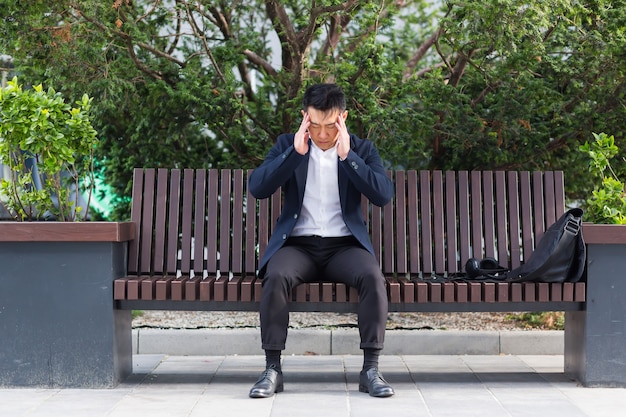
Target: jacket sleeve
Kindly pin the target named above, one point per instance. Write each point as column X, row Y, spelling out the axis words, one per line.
column 365, row 170
column 276, row 169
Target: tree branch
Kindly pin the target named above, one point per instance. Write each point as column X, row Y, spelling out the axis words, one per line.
column 262, row 63
column 426, row 70
column 484, row 93
column 443, row 58
column 149, row 12
column 126, row 37
column 140, row 65
column 174, row 43
column 283, row 27
column 421, row 52
column 200, row 35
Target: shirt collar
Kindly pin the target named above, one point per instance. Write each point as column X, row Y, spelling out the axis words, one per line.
column 319, row 153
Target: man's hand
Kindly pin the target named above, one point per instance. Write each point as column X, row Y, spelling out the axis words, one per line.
column 343, row 138
column 301, row 138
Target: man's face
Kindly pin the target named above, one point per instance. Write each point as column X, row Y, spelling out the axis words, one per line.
column 322, row 130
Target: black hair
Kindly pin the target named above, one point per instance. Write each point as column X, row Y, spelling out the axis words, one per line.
column 324, row 97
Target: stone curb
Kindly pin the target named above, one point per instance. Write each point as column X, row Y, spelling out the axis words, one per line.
column 191, row 342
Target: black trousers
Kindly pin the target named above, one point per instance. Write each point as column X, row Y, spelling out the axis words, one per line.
column 308, row 259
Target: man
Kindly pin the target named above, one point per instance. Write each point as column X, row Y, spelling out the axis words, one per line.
column 323, row 171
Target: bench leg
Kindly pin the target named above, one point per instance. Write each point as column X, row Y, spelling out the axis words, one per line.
column 57, row 321
column 595, row 339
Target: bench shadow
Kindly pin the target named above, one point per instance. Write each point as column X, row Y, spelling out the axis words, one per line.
column 319, row 377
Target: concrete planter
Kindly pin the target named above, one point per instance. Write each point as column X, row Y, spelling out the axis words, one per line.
column 57, row 323
column 596, row 337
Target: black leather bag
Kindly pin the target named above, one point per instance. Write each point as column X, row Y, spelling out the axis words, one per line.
column 558, row 257
column 560, row 254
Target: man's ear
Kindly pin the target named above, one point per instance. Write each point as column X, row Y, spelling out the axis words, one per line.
column 345, row 114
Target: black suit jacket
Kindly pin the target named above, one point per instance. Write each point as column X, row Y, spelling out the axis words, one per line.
column 362, row 172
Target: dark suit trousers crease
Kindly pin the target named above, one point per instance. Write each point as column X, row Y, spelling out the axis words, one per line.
column 309, row 259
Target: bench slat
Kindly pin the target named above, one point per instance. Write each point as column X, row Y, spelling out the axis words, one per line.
column 237, row 250
column 425, row 221
column 538, row 202
column 438, row 234
column 413, row 223
column 178, row 288
column 186, row 220
column 135, row 217
column 247, row 289
column 219, row 289
column 526, row 218
column 206, row 289
column 158, row 264
column 192, row 288
column 198, row 220
column 211, row 222
column 233, row 290
column 225, row 225
column 341, row 293
column 251, row 226
column 407, row 289
column 476, row 219
column 401, row 219
column 464, row 216
column 164, row 288
column 513, row 237
column 388, row 248
column 147, row 221
column 462, row 292
column 502, row 212
column 148, row 288
column 314, row 292
column 550, row 215
column 488, row 211
column 173, row 222
column 452, row 264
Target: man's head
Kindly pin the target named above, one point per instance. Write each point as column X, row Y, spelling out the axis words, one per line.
column 324, row 103
column 324, row 97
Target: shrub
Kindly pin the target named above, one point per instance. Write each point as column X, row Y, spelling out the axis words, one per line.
column 48, row 146
column 607, row 203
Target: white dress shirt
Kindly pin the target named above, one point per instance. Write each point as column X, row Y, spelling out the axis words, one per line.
column 321, row 208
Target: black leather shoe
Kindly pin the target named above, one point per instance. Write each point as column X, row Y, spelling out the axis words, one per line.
column 373, row 382
column 270, row 382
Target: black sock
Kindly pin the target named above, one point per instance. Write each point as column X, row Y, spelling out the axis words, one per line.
column 370, row 358
column 272, row 359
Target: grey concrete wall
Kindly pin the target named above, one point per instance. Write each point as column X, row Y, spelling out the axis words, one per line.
column 58, row 327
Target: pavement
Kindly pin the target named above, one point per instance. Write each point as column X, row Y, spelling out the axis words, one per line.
column 208, row 372
column 327, row 386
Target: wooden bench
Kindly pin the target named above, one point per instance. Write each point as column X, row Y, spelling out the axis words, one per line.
column 200, row 234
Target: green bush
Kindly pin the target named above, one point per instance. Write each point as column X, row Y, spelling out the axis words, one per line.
column 607, row 203
column 38, row 128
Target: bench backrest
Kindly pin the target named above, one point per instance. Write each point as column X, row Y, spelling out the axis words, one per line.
column 196, row 222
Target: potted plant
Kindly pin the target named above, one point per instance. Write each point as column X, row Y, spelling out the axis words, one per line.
column 59, row 326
